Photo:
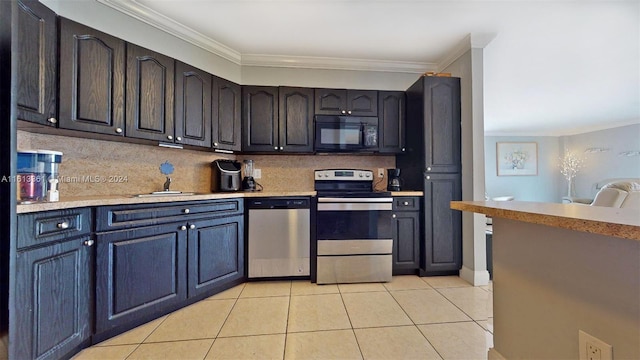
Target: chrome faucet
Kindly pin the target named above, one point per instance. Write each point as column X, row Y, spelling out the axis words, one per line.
column 167, row 184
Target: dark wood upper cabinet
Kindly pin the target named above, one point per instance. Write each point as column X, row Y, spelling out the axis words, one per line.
column 193, row 106
column 226, row 129
column 150, row 91
column 296, row 119
column 37, row 73
column 346, row 102
column 260, row 118
column 92, row 72
column 391, row 121
column 442, row 127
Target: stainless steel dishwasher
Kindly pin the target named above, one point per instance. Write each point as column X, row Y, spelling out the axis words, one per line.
column 279, row 237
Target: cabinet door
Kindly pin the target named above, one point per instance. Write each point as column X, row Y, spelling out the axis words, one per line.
column 226, row 122
column 140, row 274
column 442, row 124
column 54, row 295
column 391, row 121
column 260, row 118
column 362, row 102
column 331, row 102
column 216, row 253
column 92, row 70
column 442, row 226
column 296, row 119
column 406, row 242
column 37, row 73
column 193, row 106
column 150, row 79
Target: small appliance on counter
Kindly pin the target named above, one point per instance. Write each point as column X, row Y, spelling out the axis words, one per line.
column 38, row 175
column 394, row 182
column 248, row 183
column 226, row 175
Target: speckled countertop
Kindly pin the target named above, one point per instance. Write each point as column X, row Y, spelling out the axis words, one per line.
column 618, row 222
column 102, row 200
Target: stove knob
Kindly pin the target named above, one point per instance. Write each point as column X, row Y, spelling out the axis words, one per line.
column 326, row 175
column 360, row 174
column 368, row 175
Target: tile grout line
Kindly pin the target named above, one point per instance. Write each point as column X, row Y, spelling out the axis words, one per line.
column 225, row 320
column 146, row 337
column 286, row 327
column 349, row 318
column 413, row 322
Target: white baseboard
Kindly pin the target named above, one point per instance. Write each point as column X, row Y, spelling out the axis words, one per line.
column 476, row 278
column 493, row 354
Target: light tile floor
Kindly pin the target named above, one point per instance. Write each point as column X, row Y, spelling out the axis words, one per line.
column 408, row 318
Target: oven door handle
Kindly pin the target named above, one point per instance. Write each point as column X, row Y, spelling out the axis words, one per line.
column 355, row 207
column 355, row 200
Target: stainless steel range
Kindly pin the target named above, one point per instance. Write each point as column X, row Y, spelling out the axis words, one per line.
column 353, row 228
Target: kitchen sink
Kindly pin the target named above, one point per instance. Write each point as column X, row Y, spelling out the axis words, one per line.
column 165, row 193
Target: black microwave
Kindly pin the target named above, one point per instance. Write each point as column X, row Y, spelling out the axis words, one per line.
column 346, row 133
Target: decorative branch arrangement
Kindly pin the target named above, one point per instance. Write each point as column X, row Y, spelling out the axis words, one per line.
column 570, row 165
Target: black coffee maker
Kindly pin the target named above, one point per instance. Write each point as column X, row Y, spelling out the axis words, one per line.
column 394, row 182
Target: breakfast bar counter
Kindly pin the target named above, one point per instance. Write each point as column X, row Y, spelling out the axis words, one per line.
column 560, row 270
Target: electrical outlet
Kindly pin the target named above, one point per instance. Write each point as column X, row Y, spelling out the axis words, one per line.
column 380, row 172
column 257, row 173
column 592, row 348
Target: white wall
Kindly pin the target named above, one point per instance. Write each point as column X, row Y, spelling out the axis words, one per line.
column 366, row 80
column 604, row 165
column 546, row 186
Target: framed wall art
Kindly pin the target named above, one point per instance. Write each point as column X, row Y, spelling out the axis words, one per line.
column 517, row 158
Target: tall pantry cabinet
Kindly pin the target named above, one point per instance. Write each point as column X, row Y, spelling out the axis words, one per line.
column 432, row 163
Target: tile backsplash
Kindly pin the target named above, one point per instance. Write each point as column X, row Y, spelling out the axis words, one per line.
column 96, row 167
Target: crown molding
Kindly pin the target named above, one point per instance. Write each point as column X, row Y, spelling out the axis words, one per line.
column 166, row 24
column 471, row 41
column 311, row 62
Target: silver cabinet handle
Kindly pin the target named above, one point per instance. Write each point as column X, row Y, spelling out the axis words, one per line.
column 170, row 137
column 275, row 148
column 186, row 211
column 63, row 225
column 428, row 169
column 118, row 130
column 88, row 243
column 215, row 144
column 403, row 150
column 349, row 112
column 52, row 120
column 192, row 226
column 281, row 147
column 344, row 112
column 428, row 177
column 179, row 138
column 406, row 203
column 183, row 228
column 393, row 216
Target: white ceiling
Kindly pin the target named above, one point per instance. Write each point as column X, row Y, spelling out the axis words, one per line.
column 553, row 68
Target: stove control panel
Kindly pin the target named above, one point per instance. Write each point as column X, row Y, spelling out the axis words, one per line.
column 344, row 175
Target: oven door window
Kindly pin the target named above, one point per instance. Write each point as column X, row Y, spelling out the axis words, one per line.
column 353, row 225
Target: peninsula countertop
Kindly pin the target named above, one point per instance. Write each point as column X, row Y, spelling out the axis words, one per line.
column 618, row 222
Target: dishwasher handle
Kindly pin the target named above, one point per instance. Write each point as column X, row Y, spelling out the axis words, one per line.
column 278, row 203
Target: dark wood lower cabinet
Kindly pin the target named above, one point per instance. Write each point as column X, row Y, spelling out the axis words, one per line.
column 406, row 235
column 139, row 273
column 165, row 263
column 53, row 296
column 216, row 254
column 442, row 226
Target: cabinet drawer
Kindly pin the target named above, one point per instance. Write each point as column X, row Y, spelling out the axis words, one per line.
column 110, row 218
column 47, row 226
column 406, row 203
